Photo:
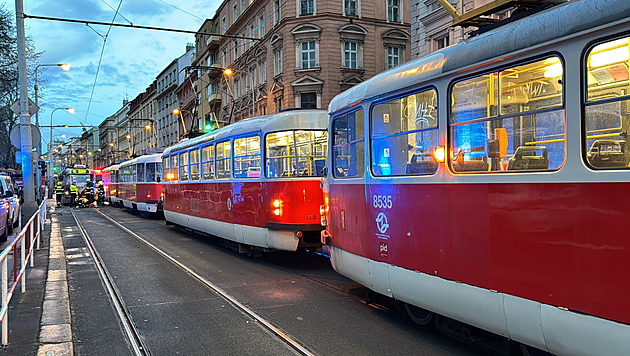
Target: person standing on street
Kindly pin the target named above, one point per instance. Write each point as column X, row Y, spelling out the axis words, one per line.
column 74, row 193
column 59, row 193
column 89, row 192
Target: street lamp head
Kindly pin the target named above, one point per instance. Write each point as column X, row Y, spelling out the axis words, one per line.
column 111, row 144
column 70, row 110
column 148, row 127
column 128, row 137
column 64, row 66
column 227, row 71
column 176, row 111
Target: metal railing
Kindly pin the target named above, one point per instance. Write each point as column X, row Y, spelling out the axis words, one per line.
column 28, row 238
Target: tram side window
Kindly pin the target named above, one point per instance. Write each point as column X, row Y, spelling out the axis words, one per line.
column 300, row 153
column 167, row 168
column 194, row 164
column 154, row 172
column 607, row 109
column 404, row 135
column 247, row 157
column 174, row 167
column 207, row 162
column 183, row 166
column 140, row 170
column 511, row 120
column 223, row 156
column 348, row 146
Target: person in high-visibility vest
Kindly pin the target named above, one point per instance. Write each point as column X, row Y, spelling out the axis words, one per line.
column 59, row 193
column 100, row 191
column 74, row 193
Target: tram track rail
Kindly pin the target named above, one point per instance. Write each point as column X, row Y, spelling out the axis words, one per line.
column 137, row 343
column 274, row 330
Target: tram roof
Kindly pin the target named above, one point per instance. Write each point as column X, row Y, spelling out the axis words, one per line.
column 556, row 22
column 111, row 168
column 156, row 157
column 288, row 120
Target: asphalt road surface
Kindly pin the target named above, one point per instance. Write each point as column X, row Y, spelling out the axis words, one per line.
column 297, row 293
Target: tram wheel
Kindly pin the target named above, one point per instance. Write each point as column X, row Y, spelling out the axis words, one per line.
column 418, row 315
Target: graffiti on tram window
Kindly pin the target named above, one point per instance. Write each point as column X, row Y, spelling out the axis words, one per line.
column 512, row 120
column 404, row 143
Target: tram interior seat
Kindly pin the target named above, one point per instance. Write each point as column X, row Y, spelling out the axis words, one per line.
column 608, row 153
column 419, row 164
column 474, row 165
column 529, row 157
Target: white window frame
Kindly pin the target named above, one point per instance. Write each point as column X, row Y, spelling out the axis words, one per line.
column 277, row 62
column 347, row 62
column 391, row 55
column 311, row 61
column 299, row 8
column 389, row 4
column 357, row 4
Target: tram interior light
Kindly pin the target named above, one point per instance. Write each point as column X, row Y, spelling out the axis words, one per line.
column 439, row 154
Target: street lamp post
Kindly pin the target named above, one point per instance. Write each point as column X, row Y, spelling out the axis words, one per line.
column 178, row 112
column 65, row 67
column 49, row 166
column 228, row 72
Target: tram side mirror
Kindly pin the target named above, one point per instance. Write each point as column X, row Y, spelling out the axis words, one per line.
column 325, row 172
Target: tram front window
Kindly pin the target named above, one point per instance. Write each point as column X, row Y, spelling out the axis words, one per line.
column 299, row 153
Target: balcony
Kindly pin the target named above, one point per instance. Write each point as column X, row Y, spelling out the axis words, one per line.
column 215, row 70
column 213, row 42
column 214, row 99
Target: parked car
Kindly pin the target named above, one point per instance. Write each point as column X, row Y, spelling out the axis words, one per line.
column 4, row 213
column 9, row 194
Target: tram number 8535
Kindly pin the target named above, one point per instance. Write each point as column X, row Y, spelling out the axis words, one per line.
column 382, row 201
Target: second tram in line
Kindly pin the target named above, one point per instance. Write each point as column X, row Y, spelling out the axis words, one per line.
column 493, row 178
column 255, row 183
column 139, row 184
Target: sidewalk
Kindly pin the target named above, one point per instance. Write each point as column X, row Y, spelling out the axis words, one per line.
column 39, row 320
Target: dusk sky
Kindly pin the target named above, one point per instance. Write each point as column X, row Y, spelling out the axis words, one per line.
column 131, row 60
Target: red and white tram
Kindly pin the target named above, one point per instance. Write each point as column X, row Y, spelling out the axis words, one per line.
column 256, row 183
column 110, row 182
column 496, row 181
column 140, row 183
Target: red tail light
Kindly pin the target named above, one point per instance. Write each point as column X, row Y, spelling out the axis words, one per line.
column 277, row 205
column 149, row 195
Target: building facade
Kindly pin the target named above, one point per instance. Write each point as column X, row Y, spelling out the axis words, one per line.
column 432, row 26
column 297, row 54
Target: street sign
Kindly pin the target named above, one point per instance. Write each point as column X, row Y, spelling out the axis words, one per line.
column 32, row 107
column 16, row 136
column 18, row 157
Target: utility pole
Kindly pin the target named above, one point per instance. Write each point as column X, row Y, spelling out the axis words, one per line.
column 26, row 143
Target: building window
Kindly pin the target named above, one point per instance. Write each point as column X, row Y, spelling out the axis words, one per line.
column 308, row 100
column 242, row 6
column 223, row 25
column 393, row 10
column 253, row 73
column 263, row 72
column 350, row 8
column 237, row 88
column 306, row 7
column 308, row 55
column 393, row 57
column 442, row 42
column 234, row 13
column 277, row 63
column 262, row 26
column 235, row 50
column 350, row 55
column 278, row 104
column 276, row 11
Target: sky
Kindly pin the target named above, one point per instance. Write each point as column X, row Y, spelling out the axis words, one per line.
column 131, row 60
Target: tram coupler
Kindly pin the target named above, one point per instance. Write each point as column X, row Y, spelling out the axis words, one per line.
column 325, row 237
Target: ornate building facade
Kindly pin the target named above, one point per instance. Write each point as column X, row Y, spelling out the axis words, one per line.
column 295, row 54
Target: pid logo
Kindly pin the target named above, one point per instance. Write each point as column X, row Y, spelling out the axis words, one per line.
column 382, row 249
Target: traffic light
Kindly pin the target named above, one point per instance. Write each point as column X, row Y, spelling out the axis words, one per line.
column 208, row 127
column 55, row 169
